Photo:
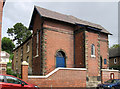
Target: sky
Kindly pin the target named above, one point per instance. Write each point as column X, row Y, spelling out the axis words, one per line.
column 103, row 13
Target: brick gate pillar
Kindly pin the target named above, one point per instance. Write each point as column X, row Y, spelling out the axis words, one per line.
column 24, row 70
column 3, row 67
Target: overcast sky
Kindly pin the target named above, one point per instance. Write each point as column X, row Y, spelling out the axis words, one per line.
column 103, row 13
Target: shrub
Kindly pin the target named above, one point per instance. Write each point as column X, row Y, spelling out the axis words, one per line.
column 11, row 72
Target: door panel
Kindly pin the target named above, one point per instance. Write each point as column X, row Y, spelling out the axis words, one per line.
column 60, row 62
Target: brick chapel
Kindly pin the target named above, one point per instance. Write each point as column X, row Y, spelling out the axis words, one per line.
column 60, row 40
column 65, row 41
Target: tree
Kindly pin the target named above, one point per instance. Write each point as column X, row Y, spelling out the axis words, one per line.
column 7, row 45
column 11, row 56
column 115, row 46
column 19, row 32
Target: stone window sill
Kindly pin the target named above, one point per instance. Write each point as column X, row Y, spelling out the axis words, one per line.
column 93, row 56
column 27, row 51
column 36, row 56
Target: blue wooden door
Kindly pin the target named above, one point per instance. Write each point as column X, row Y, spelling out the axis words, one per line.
column 60, row 62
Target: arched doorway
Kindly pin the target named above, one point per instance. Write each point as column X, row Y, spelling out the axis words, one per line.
column 60, row 59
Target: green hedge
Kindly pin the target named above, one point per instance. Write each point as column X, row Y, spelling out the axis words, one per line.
column 9, row 64
column 11, row 72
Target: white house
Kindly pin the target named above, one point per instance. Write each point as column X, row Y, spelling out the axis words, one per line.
column 4, row 56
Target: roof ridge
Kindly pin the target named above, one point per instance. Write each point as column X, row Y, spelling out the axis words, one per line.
column 51, row 11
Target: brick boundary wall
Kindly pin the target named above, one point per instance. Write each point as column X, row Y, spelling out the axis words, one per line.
column 61, row 77
column 119, row 75
column 106, row 74
column 65, row 77
column 24, row 70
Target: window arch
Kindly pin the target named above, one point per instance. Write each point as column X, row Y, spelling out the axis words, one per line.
column 60, row 54
column 92, row 50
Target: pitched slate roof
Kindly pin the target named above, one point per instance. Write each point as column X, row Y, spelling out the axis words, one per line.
column 67, row 18
column 114, row 52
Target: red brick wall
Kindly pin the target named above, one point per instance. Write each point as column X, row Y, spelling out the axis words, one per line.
column 62, row 78
column 36, row 59
column 25, row 72
column 92, row 62
column 106, row 75
column 79, row 50
column 119, row 75
column 104, row 49
column 60, row 37
column 59, row 25
column 111, row 61
column 100, row 41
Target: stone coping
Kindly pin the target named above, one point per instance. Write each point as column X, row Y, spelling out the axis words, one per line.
column 112, row 70
column 25, row 63
column 46, row 76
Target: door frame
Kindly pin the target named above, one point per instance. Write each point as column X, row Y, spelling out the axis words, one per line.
column 64, row 57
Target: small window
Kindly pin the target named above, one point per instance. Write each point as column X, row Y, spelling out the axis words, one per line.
column 37, row 42
column 28, row 59
column 115, row 61
column 21, row 60
column 1, row 78
column 21, row 51
column 27, row 47
column 105, row 61
column 92, row 50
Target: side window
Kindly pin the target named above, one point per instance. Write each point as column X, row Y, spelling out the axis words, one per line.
column 92, row 50
column 13, row 80
column 21, row 51
column 27, row 47
column 1, row 78
column 115, row 61
column 28, row 59
column 37, row 42
column 105, row 61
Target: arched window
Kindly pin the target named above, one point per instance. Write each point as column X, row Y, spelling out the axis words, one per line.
column 92, row 50
column 105, row 61
column 115, row 61
column 37, row 42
